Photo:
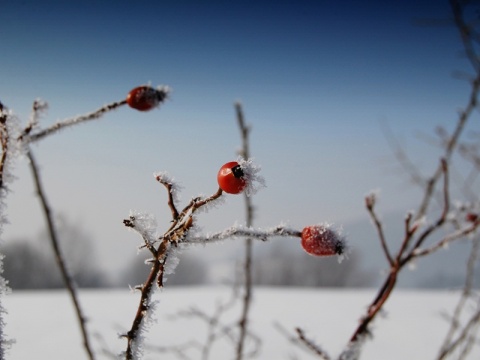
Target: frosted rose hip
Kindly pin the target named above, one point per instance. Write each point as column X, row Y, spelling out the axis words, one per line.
column 319, row 240
column 231, row 178
column 144, row 98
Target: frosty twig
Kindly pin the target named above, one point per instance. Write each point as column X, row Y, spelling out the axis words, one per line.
column 177, row 235
column 181, row 224
column 67, row 279
column 71, row 121
column 411, row 246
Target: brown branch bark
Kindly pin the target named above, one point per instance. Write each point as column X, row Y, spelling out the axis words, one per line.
column 67, row 279
column 176, row 233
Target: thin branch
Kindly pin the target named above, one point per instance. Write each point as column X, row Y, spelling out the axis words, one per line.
column 311, row 345
column 440, row 221
column 247, row 268
column 235, row 231
column 302, row 341
column 67, row 279
column 198, row 204
column 73, row 121
column 155, row 277
column 171, row 203
column 4, row 140
column 452, row 143
column 375, row 307
column 459, row 234
column 370, row 205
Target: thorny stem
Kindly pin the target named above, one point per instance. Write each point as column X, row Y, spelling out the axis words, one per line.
column 155, row 276
column 181, row 224
column 247, row 268
column 72, row 121
column 67, row 279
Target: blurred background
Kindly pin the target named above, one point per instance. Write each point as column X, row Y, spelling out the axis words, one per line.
column 325, row 86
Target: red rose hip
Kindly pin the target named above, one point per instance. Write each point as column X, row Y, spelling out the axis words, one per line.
column 319, row 240
column 144, row 98
column 231, row 178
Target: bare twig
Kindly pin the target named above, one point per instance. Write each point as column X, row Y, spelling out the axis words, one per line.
column 401, row 259
column 370, row 205
column 407, row 253
column 247, row 268
column 465, row 32
column 67, row 279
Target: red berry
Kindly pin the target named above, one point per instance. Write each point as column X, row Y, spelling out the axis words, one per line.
column 471, row 217
column 231, row 178
column 320, row 240
column 145, row 98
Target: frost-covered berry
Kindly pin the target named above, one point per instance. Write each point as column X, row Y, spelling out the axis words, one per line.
column 471, row 217
column 231, row 178
column 320, row 240
column 144, row 98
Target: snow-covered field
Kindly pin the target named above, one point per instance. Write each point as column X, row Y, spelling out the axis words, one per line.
column 44, row 327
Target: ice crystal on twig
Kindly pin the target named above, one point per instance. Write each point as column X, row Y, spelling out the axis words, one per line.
column 254, row 181
column 173, row 186
column 145, row 224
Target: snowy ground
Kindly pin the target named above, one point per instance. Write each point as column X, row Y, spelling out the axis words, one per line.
column 43, row 324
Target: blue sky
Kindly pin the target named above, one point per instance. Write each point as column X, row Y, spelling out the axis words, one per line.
column 317, row 79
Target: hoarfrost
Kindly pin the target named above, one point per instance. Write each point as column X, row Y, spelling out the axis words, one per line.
column 12, row 150
column 40, row 108
column 145, row 224
column 172, row 260
column 412, row 265
column 353, row 350
column 211, row 204
column 417, row 224
column 165, row 178
column 147, row 322
column 254, row 181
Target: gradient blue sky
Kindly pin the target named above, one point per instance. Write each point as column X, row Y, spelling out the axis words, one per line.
column 317, row 80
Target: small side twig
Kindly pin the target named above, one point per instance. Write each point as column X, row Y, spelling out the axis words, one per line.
column 67, row 279
column 370, row 205
column 302, row 341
